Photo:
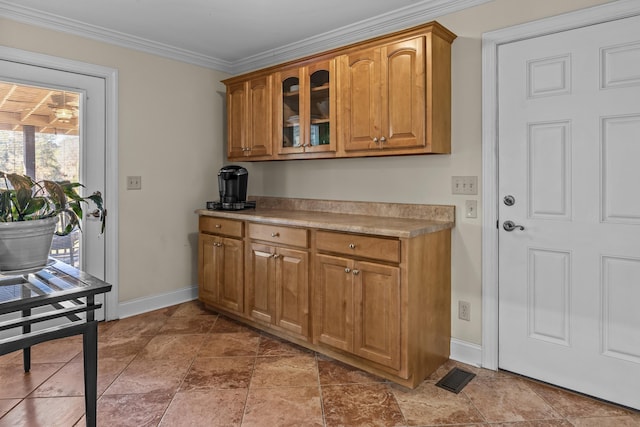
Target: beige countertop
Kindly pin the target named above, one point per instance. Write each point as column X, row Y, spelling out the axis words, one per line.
column 384, row 219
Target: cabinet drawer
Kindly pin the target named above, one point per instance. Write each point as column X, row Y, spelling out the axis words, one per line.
column 361, row 246
column 227, row 227
column 279, row 234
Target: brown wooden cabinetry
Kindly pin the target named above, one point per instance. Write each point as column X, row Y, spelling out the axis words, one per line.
column 278, row 278
column 380, row 303
column 382, row 94
column 305, row 110
column 357, row 302
column 221, row 264
column 386, row 96
column 249, row 119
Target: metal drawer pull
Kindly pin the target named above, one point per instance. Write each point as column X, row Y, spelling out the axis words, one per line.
column 352, row 245
column 347, row 270
column 275, row 234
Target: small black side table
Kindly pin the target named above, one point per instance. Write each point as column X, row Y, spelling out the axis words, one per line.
column 63, row 292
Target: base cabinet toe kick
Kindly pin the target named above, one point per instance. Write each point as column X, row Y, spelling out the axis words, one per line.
column 381, row 303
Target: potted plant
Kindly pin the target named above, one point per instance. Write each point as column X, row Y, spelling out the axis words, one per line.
column 31, row 212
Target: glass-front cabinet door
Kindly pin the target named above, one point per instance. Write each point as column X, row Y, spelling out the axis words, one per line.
column 306, row 110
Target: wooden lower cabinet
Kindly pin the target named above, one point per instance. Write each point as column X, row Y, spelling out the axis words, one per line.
column 220, row 271
column 277, row 287
column 357, row 307
column 381, row 304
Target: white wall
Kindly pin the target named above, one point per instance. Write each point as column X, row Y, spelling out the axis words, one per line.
column 172, row 134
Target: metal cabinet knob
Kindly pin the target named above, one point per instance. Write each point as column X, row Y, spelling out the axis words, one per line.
column 352, row 245
column 375, row 139
column 275, row 234
column 347, row 270
column 383, row 140
column 218, row 226
column 356, row 272
column 275, row 256
column 510, row 226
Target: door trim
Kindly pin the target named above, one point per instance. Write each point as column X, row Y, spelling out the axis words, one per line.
column 110, row 76
column 490, row 42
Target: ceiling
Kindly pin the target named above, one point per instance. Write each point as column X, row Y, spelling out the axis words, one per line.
column 230, row 36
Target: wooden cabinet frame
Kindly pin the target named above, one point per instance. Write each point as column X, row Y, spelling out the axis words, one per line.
column 390, row 96
column 379, row 303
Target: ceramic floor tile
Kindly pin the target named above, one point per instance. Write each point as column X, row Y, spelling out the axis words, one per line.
column 284, row 406
column 18, row 384
column 570, row 404
column 538, row 423
column 172, row 347
column 188, row 324
column 47, row 411
column 145, row 376
column 69, row 381
column 145, row 324
column 7, row 404
column 225, row 325
column 206, row 408
column 272, row 346
column 131, row 410
column 57, row 351
column 285, row 371
column 432, row 405
column 230, row 344
column 618, row 421
column 333, row 372
column 508, row 400
column 192, row 308
column 218, row 373
column 361, row 405
column 118, row 346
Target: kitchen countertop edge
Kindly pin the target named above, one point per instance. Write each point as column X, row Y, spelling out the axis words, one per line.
column 344, row 222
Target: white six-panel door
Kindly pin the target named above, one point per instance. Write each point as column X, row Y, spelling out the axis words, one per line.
column 569, row 156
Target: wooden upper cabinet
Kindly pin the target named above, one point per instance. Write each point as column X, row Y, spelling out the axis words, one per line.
column 382, row 94
column 305, row 109
column 387, row 96
column 249, row 119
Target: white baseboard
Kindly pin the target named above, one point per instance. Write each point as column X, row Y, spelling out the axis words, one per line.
column 466, row 352
column 143, row 305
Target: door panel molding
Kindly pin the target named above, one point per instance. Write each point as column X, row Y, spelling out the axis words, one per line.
column 110, row 76
column 490, row 43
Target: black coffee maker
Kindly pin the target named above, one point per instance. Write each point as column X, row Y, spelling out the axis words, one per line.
column 232, row 185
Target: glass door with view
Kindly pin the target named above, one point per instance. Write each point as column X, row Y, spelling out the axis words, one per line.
column 306, row 115
column 39, row 137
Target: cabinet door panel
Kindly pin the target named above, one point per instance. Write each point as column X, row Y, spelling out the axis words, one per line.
column 261, row 283
column 403, row 94
column 334, row 302
column 231, row 275
column 360, row 95
column 236, row 119
column 377, row 313
column 207, row 269
column 260, row 115
column 292, row 277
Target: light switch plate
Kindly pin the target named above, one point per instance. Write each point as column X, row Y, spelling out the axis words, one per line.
column 134, row 182
column 464, row 185
column 471, row 208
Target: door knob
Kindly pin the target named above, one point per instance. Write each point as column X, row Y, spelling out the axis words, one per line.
column 509, row 200
column 510, row 226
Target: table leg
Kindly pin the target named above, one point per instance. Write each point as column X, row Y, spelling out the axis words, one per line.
column 90, row 350
column 26, row 352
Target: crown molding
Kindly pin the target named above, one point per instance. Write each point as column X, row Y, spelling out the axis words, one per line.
column 399, row 19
